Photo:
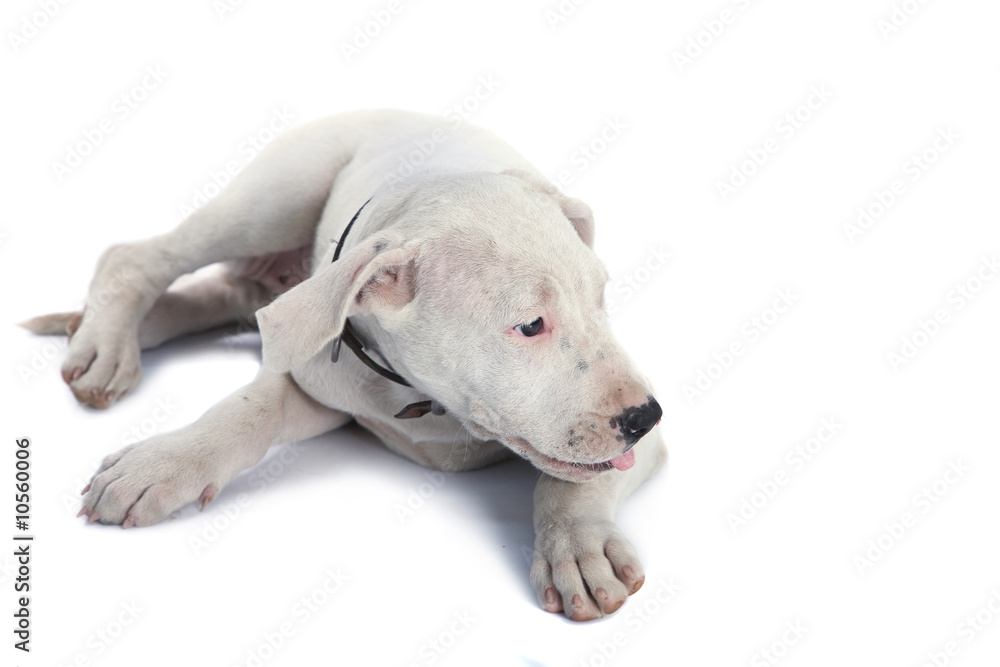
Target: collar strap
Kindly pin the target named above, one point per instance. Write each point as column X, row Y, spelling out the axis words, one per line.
column 340, row 243
column 358, row 348
column 411, row 411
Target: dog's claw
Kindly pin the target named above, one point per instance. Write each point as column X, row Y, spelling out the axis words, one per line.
column 553, row 602
column 208, row 495
column 630, row 575
column 581, row 611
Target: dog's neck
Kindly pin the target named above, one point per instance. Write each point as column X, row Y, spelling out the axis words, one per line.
column 348, row 337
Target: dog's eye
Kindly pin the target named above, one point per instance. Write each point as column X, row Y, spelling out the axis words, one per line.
column 530, row 329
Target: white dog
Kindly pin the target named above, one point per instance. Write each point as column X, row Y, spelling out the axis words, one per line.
column 471, row 299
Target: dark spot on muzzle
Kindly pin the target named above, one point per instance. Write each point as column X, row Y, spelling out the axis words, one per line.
column 638, row 420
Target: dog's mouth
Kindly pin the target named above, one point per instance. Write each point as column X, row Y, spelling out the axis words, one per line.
column 572, row 471
column 621, row 462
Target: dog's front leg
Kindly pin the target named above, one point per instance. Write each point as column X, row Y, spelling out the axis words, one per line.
column 142, row 483
column 583, row 565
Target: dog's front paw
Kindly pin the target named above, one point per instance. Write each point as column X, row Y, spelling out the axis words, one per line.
column 141, row 484
column 101, row 366
column 585, row 568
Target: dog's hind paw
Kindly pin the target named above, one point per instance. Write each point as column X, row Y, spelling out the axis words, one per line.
column 101, row 369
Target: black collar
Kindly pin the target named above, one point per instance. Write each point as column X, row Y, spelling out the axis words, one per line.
column 348, row 336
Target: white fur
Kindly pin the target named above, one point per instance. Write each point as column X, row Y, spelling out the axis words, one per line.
column 438, row 270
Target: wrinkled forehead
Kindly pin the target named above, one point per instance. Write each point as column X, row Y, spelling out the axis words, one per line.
column 488, row 237
column 514, row 271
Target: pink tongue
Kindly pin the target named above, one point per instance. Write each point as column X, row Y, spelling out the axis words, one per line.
column 625, row 461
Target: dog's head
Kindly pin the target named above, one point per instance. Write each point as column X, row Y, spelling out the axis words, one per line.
column 485, row 293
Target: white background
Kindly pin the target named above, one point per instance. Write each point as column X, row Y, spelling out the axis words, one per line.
column 654, row 189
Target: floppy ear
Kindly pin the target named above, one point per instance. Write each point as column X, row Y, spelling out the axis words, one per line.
column 580, row 215
column 577, row 212
column 377, row 275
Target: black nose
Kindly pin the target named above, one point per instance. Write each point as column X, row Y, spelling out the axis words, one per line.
column 638, row 420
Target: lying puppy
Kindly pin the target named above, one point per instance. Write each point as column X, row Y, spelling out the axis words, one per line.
column 457, row 313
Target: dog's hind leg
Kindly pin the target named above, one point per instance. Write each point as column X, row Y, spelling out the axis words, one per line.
column 273, row 206
column 199, row 304
column 227, row 293
column 194, row 303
